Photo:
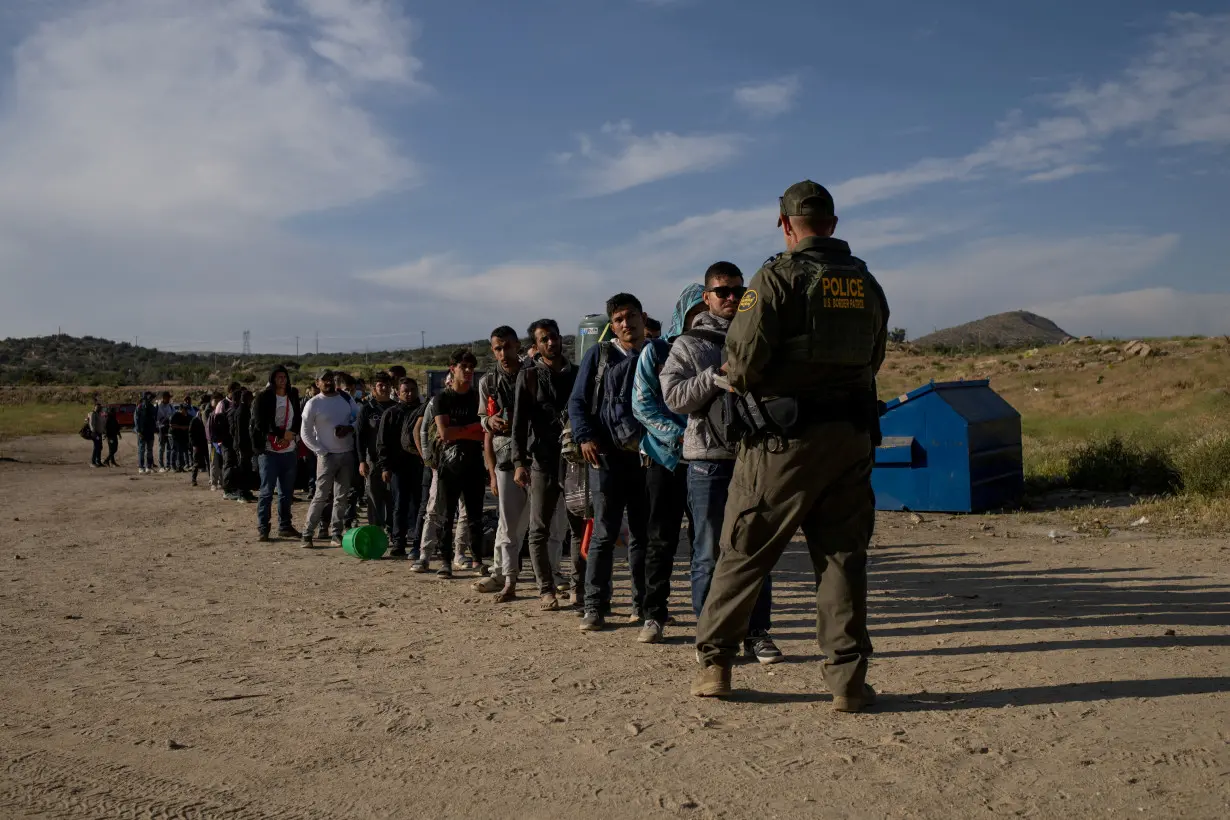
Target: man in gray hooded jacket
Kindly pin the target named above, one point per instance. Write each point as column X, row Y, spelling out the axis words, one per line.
column 689, row 385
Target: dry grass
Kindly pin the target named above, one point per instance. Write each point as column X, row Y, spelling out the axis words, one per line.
column 40, row 419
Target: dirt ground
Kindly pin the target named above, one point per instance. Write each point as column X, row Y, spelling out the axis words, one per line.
column 158, row 662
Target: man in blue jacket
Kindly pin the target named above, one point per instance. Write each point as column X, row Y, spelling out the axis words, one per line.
column 620, row 485
column 145, row 423
column 667, row 475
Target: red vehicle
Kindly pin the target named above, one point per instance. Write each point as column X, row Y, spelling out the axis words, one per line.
column 123, row 413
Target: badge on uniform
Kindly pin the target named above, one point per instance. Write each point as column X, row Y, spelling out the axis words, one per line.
column 748, row 301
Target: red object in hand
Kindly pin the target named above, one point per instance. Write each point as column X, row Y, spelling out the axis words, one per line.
column 589, row 532
column 492, row 410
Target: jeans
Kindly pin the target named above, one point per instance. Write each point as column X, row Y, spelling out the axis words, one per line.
column 180, row 448
column 113, row 446
column 379, row 499
column 668, row 494
column 333, row 475
column 215, row 466
column 200, row 462
column 406, row 485
column 96, row 456
column 457, row 488
column 145, row 452
column 165, row 452
column 277, row 469
column 309, row 464
column 547, row 518
column 708, row 486
column 435, row 520
column 514, row 507
column 620, row 488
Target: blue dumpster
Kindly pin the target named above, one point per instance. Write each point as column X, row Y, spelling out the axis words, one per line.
column 949, row 447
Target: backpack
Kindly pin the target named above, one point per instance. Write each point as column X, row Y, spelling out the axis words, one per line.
column 217, row 426
column 615, row 400
column 432, row 446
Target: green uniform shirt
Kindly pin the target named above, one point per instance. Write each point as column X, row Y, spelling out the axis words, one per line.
column 813, row 324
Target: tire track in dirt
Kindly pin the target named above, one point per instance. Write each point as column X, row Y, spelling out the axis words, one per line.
column 63, row 786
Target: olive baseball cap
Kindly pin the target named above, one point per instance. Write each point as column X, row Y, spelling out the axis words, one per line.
column 805, row 198
column 325, row 373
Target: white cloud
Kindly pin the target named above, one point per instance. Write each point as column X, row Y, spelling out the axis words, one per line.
column 151, row 151
column 770, row 98
column 1177, row 93
column 1012, row 273
column 171, row 115
column 1146, row 312
column 626, row 160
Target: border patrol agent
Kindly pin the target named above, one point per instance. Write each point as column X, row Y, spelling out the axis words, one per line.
column 803, row 351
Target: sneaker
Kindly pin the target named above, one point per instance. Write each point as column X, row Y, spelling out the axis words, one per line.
column 761, row 647
column 398, row 553
column 444, row 572
column 322, row 533
column 592, row 622
column 335, row 541
column 247, row 498
column 460, row 563
column 488, row 584
column 263, row 538
column 289, row 532
column 855, row 703
column 306, row 542
column 712, row 681
column 636, row 617
column 651, row 632
column 419, row 566
column 230, row 496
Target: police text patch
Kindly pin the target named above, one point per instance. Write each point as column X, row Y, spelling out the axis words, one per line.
column 841, row 292
column 748, row 301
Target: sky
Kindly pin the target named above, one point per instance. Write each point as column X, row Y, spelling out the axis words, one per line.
column 368, row 171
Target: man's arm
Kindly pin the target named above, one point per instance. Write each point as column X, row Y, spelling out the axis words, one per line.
column 648, row 401
column 470, row 432
column 523, row 403
column 390, row 424
column 583, row 424
column 755, row 330
column 685, row 388
column 484, row 393
column 309, row 427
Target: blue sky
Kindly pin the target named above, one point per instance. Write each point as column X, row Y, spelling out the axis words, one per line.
column 181, row 171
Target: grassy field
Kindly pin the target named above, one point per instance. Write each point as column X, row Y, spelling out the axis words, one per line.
column 18, row 420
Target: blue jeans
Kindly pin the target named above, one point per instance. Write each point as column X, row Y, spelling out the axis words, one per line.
column 620, row 487
column 708, row 484
column 277, row 469
column 96, row 458
column 165, row 450
column 145, row 452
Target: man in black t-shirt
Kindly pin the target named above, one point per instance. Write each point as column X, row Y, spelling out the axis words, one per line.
column 462, row 475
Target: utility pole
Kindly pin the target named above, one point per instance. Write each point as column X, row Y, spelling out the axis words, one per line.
column 296, row 347
column 318, row 343
column 423, row 334
column 247, row 343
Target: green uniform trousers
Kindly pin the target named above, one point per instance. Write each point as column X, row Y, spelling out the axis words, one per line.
column 820, row 481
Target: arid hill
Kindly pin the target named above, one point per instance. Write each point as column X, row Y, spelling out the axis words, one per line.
column 1003, row 331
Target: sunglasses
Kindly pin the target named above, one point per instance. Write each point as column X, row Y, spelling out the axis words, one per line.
column 724, row 292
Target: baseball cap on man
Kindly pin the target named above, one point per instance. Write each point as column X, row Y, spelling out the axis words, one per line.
column 805, row 198
column 325, row 373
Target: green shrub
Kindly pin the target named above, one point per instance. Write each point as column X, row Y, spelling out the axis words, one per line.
column 1205, row 465
column 1115, row 465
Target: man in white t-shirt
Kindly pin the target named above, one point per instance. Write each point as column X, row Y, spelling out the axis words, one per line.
column 276, row 421
column 328, row 431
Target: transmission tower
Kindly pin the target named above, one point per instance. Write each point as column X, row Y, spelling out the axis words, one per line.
column 247, row 343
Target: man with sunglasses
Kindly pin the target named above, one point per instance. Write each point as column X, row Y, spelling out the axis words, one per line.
column 805, row 345
column 689, row 385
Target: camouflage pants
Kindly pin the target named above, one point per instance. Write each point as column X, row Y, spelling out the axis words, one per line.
column 820, row 482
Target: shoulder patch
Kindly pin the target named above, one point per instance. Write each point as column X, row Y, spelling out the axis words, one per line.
column 749, row 300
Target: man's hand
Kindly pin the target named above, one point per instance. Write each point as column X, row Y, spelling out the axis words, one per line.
column 590, row 452
column 497, row 424
column 386, row 476
column 495, row 484
column 363, row 469
column 522, row 478
column 288, row 436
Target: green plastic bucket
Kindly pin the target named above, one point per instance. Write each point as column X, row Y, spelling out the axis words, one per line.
column 367, row 543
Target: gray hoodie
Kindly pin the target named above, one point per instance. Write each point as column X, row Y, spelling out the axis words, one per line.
column 687, row 385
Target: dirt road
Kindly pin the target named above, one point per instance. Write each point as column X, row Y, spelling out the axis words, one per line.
column 160, row 663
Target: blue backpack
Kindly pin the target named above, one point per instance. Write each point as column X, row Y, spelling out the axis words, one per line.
column 614, row 399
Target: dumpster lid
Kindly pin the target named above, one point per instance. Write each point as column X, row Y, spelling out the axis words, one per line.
column 933, row 386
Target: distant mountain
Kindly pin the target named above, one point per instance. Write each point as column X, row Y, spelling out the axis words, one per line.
column 1016, row 329
column 88, row 360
